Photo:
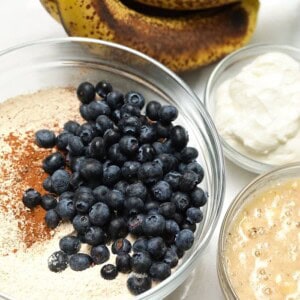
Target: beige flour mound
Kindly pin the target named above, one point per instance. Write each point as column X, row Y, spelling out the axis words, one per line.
column 24, row 274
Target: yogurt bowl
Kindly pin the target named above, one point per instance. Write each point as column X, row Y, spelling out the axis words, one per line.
column 66, row 62
column 251, row 145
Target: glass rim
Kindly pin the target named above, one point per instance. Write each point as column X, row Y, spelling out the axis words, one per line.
column 212, row 133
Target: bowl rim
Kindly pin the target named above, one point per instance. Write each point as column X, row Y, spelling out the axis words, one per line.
column 230, row 152
column 218, row 150
column 223, row 277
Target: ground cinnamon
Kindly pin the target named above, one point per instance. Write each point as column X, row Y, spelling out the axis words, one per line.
column 25, row 172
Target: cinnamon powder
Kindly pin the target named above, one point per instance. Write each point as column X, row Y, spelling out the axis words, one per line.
column 25, row 162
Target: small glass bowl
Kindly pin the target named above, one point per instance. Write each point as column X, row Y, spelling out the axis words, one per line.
column 258, row 185
column 67, row 62
column 230, row 66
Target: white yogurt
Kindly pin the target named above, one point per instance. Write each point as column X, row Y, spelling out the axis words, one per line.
column 258, row 110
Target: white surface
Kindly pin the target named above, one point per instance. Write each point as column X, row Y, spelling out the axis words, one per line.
column 278, row 22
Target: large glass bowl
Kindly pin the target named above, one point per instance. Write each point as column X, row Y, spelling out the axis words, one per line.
column 69, row 61
column 229, row 67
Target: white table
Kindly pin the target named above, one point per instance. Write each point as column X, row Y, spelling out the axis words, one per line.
column 278, row 22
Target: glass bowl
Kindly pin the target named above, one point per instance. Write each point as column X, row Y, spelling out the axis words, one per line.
column 230, row 66
column 258, row 185
column 67, row 62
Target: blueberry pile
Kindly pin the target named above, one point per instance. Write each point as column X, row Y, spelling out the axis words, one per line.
column 121, row 172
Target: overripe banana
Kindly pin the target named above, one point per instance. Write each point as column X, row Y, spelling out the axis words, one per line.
column 186, row 4
column 182, row 42
column 51, row 7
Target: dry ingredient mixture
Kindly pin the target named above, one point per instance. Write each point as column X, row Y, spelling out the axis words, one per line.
column 25, row 241
column 262, row 247
column 258, row 110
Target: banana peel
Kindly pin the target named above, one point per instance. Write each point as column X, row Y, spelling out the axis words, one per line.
column 181, row 43
column 186, row 4
column 52, row 9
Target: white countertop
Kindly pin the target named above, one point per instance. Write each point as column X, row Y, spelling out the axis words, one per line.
column 278, row 22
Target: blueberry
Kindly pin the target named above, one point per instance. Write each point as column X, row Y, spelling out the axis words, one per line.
column 150, row 172
column 135, row 98
column 48, row 202
column 60, row 181
column 152, row 110
column 137, row 189
column 130, row 169
column 115, row 154
column 115, row 199
column 86, row 92
column 161, row 191
column 141, row 244
column 99, row 214
column 158, row 147
column 69, row 244
column 65, row 209
column 167, row 209
column 115, row 100
column 154, row 225
column 103, row 88
column 167, row 114
column 188, row 154
column 195, row 167
column 182, row 168
column 141, row 262
column 172, row 178
column 171, row 258
column 121, row 246
column 91, row 169
column 130, row 125
column 31, row 198
column 163, row 130
column 47, row 184
column 148, row 134
column 167, row 161
column 83, row 202
column 178, row 217
column 117, row 228
column 129, row 145
column 45, row 138
column 128, row 110
column 198, row 197
column 194, row 215
column 134, row 205
column 94, row 236
column 123, row 263
column 179, row 252
column 104, row 123
column 52, row 218
column 75, row 180
column 151, row 205
column 86, row 136
column 53, row 162
column 138, row 285
column 188, row 225
column 179, row 137
column 109, row 272
column 184, row 239
column 80, row 262
column 111, row 136
column 181, row 200
column 71, row 126
column 96, row 109
column 157, row 248
column 84, row 189
column 145, row 153
column 66, row 195
column 135, row 224
column 116, row 115
column 111, row 175
column 100, row 193
column 62, row 140
column 75, row 162
column 160, row 271
column 58, row 261
column 81, row 223
column 100, row 254
column 172, row 228
column 75, row 146
column 85, row 113
column 121, row 186
column 188, row 181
